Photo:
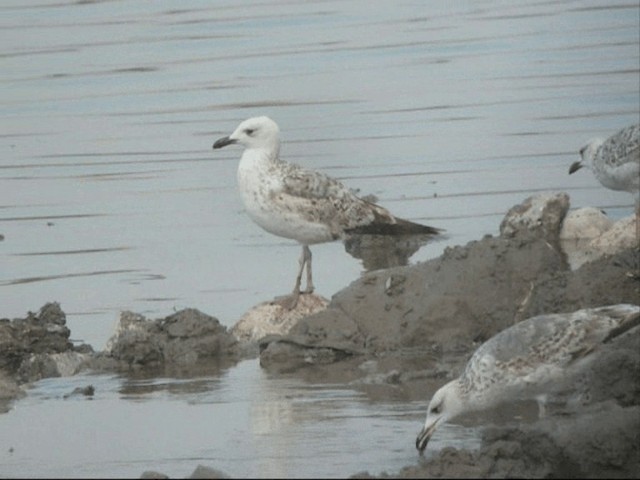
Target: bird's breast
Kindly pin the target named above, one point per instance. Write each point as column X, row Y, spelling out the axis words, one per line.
column 261, row 187
column 256, row 184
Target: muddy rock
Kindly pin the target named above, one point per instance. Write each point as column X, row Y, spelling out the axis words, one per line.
column 9, row 391
column 541, row 215
column 182, row 339
column 201, row 471
column 38, row 346
column 152, row 474
column 87, row 391
column 269, row 318
column 319, row 339
column 44, row 332
column 45, row 365
column 585, row 223
column 604, row 281
column 588, row 234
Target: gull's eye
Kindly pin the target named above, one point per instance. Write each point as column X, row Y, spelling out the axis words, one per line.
column 436, row 410
column 249, row 131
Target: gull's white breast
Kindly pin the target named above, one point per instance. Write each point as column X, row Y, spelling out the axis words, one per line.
column 260, row 183
column 619, row 177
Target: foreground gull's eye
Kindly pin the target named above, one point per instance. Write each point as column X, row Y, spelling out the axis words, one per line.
column 249, row 131
column 436, row 409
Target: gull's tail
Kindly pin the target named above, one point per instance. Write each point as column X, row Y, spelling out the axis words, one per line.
column 400, row 227
column 628, row 316
column 384, row 223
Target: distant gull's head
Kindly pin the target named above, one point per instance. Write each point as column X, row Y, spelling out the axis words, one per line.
column 445, row 404
column 587, row 153
column 256, row 132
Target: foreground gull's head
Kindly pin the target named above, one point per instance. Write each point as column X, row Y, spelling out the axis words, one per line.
column 587, row 153
column 256, row 132
column 445, row 404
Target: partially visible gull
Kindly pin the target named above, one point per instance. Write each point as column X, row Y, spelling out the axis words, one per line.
column 304, row 205
column 527, row 360
column 616, row 164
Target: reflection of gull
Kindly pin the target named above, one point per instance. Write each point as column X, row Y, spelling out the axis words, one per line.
column 300, row 204
column 616, row 163
column 528, row 360
column 384, row 251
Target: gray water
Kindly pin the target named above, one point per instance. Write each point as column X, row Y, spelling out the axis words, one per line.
column 243, row 422
column 111, row 198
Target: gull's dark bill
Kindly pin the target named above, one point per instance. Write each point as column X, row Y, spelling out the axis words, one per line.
column 223, row 142
column 575, row 166
column 424, row 436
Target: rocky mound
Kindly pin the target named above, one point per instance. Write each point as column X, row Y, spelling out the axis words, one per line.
column 36, row 347
column 183, row 339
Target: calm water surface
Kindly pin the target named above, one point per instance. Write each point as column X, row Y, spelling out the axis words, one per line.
column 243, row 422
column 111, row 198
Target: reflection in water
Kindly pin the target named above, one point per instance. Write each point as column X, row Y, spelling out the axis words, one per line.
column 384, row 251
column 289, row 420
column 196, row 379
column 271, row 415
column 139, row 389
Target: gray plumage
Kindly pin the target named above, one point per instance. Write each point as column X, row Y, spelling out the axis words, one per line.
column 528, row 360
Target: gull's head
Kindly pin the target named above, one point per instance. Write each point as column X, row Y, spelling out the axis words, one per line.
column 587, row 153
column 445, row 404
column 256, row 132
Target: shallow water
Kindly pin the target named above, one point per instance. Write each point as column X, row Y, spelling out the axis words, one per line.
column 243, row 421
column 111, row 198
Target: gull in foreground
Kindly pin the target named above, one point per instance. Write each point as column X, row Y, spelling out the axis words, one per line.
column 304, row 205
column 616, row 164
column 527, row 360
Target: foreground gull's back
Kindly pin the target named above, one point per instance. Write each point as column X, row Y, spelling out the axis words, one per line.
column 535, row 351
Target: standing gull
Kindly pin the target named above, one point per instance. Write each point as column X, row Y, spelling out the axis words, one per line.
column 527, row 360
column 616, row 164
column 304, row 205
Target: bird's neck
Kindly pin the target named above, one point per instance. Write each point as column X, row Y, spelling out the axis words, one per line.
column 260, row 156
column 468, row 398
column 461, row 394
column 256, row 163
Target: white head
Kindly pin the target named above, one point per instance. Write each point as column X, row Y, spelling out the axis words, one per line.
column 587, row 153
column 445, row 404
column 256, row 132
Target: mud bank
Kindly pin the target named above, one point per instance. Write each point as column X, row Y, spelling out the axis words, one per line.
column 416, row 327
column 399, row 334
